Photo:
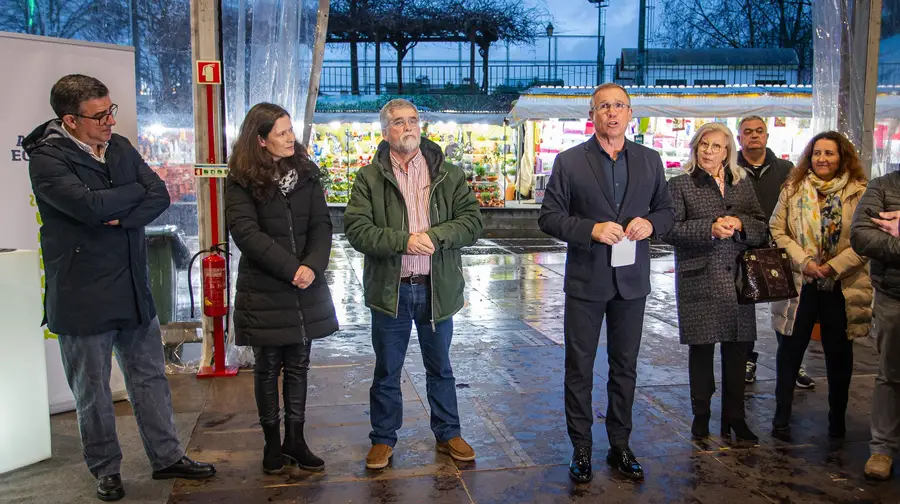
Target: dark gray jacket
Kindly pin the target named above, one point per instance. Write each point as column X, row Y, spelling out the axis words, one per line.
column 705, row 269
column 767, row 179
column 867, row 239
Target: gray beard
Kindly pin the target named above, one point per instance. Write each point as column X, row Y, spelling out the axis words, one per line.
column 406, row 147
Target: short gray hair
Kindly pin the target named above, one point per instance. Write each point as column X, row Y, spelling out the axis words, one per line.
column 751, row 118
column 737, row 173
column 609, row 85
column 390, row 107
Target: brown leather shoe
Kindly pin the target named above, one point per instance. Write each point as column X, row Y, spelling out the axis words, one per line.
column 379, row 456
column 458, row 449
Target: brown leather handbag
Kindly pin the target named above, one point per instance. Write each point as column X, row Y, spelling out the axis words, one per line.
column 765, row 275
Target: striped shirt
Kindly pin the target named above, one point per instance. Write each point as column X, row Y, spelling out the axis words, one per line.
column 414, row 183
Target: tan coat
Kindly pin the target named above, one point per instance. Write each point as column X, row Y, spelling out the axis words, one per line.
column 852, row 270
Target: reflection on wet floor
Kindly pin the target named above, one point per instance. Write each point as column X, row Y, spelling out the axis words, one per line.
column 508, row 360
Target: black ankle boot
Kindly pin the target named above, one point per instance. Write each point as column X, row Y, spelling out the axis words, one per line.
column 272, row 459
column 700, row 427
column 742, row 432
column 295, row 450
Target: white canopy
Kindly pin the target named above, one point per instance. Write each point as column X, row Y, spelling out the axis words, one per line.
column 687, row 101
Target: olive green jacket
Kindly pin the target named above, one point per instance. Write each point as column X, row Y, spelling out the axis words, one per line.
column 376, row 224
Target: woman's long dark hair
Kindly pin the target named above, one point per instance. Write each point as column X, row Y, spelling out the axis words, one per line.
column 251, row 164
column 849, row 161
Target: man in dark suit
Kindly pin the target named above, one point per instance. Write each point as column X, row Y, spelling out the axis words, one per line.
column 605, row 192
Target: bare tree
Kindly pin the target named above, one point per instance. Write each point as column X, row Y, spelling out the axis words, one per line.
column 490, row 21
column 165, row 65
column 739, row 24
column 93, row 20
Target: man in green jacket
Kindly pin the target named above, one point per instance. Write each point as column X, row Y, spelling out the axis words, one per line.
column 410, row 213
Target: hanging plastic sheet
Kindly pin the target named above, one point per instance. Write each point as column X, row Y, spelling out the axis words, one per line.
column 267, row 57
column 831, row 50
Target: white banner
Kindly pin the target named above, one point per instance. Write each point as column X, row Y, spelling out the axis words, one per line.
column 39, row 62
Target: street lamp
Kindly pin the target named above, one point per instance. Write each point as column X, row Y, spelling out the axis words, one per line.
column 601, row 37
column 549, row 44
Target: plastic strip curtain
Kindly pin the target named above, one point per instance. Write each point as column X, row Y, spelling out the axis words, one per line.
column 839, row 46
column 267, row 56
column 830, row 31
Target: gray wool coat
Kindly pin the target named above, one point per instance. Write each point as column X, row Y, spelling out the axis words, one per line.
column 706, row 268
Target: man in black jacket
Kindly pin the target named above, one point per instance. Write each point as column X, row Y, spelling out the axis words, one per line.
column 875, row 234
column 95, row 195
column 605, row 198
column 768, row 173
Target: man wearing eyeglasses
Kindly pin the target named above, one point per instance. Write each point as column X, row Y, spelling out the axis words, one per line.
column 95, row 195
column 604, row 197
column 410, row 213
column 767, row 173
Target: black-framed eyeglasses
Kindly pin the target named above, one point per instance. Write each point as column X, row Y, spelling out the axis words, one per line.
column 103, row 117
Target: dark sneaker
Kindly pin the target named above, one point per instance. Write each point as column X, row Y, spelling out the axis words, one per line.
column 804, row 381
column 750, row 376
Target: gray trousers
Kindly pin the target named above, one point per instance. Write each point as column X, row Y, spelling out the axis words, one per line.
column 886, row 398
column 87, row 361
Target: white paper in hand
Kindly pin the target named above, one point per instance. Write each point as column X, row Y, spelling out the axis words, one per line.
column 623, row 253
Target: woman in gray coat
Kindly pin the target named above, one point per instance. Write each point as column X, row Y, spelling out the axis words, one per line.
column 717, row 218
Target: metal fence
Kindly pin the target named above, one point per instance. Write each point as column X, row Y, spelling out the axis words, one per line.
column 454, row 76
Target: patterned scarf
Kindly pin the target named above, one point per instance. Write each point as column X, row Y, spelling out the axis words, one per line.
column 821, row 223
column 288, row 182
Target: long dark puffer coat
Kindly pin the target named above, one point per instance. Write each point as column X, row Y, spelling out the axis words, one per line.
column 275, row 238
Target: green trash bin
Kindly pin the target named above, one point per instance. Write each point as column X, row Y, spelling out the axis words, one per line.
column 166, row 254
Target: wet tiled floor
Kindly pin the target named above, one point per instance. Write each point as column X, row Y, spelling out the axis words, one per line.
column 509, row 364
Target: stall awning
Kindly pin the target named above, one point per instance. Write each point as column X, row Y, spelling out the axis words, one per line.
column 687, row 101
column 426, row 115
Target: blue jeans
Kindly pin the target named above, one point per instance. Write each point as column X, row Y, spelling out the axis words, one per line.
column 87, row 361
column 390, row 339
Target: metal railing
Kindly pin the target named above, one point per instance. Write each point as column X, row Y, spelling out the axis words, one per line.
column 454, row 77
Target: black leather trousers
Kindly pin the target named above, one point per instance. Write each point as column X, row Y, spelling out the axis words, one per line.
column 270, row 361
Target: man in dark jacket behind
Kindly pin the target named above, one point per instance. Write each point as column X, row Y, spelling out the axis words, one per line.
column 95, row 195
column 768, row 173
column 875, row 234
column 410, row 213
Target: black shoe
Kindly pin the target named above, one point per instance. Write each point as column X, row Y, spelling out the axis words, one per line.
column 109, row 488
column 272, row 459
column 742, row 433
column 623, row 460
column 782, row 434
column 700, row 427
column 295, row 450
column 580, row 467
column 186, row 469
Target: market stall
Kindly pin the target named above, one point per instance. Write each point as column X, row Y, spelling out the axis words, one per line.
column 480, row 143
column 554, row 119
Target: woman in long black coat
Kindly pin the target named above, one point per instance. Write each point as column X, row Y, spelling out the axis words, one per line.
column 717, row 218
column 276, row 212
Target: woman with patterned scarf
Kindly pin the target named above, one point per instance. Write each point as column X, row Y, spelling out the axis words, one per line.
column 812, row 222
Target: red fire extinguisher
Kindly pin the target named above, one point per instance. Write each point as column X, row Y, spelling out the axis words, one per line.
column 213, row 273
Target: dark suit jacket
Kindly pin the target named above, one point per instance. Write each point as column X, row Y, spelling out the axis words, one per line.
column 577, row 198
